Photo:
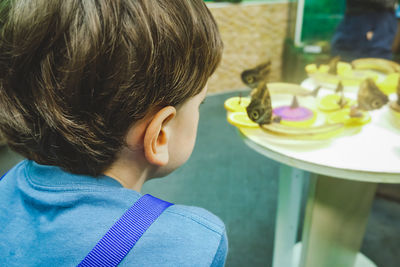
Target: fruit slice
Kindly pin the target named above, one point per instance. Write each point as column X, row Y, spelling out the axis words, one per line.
column 323, row 68
column 311, row 68
column 321, row 132
column 344, row 68
column 378, row 64
column 237, row 103
column 343, row 116
column 331, row 102
column 296, row 117
column 240, row 119
column 389, row 85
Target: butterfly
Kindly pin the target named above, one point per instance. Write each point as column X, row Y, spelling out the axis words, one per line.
column 260, row 109
column 252, row 77
column 370, row 97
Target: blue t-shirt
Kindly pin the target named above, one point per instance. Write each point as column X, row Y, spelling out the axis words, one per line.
column 49, row 217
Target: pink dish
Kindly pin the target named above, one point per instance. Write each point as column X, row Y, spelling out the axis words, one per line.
column 293, row 114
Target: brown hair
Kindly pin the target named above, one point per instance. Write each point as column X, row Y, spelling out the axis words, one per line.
column 75, row 75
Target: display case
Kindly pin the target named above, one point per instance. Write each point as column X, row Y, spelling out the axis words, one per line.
column 309, row 35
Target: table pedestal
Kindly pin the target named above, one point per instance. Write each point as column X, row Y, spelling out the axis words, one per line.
column 287, row 215
column 361, row 259
column 335, row 220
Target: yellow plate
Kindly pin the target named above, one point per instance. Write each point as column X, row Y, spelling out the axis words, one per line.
column 343, row 116
column 240, row 119
column 303, row 124
column 330, row 102
column 236, row 104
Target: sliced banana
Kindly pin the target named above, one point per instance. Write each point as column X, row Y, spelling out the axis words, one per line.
column 379, row 64
column 299, row 132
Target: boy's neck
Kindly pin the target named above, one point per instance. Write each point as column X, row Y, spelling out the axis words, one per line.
column 129, row 171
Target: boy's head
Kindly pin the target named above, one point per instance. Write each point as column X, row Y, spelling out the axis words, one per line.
column 76, row 75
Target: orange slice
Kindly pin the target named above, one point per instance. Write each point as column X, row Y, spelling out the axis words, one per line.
column 389, row 85
column 323, row 68
column 236, row 104
column 344, row 68
column 331, row 102
column 311, row 68
column 343, row 116
column 240, row 119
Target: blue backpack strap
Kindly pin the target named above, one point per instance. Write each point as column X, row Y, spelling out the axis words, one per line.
column 3, row 175
column 124, row 234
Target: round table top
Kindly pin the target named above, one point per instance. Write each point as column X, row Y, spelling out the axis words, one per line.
column 370, row 155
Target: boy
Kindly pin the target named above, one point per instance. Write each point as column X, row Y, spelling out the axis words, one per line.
column 367, row 30
column 101, row 96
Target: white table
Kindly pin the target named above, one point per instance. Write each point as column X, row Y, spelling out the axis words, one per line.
column 344, row 173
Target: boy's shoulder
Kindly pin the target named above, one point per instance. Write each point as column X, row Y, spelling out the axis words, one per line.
column 182, row 236
column 200, row 216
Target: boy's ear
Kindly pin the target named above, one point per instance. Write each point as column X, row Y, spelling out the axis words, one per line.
column 156, row 136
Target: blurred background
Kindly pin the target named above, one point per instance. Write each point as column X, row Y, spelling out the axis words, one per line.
column 290, row 33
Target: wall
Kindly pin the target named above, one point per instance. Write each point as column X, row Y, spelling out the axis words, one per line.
column 252, row 34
